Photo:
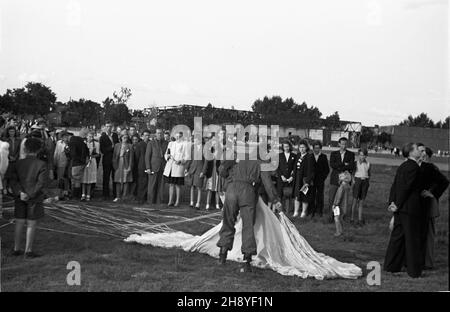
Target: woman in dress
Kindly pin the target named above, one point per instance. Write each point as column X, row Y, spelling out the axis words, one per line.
column 211, row 173
column 174, row 170
column 123, row 160
column 90, row 171
column 193, row 172
column 12, row 137
column 287, row 161
column 304, row 176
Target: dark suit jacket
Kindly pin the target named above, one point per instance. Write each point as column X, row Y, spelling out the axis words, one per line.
column 338, row 166
column 79, row 151
column 286, row 168
column 106, row 147
column 321, row 169
column 139, row 156
column 405, row 191
column 154, row 155
column 433, row 180
column 303, row 171
column 28, row 175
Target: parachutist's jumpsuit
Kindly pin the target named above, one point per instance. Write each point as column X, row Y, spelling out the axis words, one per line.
column 241, row 196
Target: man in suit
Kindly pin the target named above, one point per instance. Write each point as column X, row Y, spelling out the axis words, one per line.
column 321, row 171
column 155, row 163
column 434, row 184
column 405, row 244
column 340, row 161
column 142, row 177
column 107, row 141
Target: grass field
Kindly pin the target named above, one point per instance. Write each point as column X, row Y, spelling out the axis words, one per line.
column 109, row 264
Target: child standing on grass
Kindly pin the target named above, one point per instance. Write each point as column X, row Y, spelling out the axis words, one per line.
column 4, row 152
column 344, row 184
column 28, row 177
column 361, row 185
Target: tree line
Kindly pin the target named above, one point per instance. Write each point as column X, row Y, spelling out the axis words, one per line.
column 39, row 100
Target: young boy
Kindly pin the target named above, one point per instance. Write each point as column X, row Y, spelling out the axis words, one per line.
column 361, row 185
column 344, row 184
column 28, row 177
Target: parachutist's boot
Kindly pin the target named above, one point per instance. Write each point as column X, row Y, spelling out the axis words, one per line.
column 246, row 266
column 223, row 255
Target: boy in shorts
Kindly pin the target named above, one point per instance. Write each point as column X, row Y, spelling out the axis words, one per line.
column 28, row 177
column 361, row 185
column 345, row 179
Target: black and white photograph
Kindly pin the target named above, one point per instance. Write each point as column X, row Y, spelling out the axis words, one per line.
column 212, row 147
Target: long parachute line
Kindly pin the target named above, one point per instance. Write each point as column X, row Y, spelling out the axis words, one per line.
column 114, row 221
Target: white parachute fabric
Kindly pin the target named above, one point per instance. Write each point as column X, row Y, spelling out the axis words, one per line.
column 280, row 247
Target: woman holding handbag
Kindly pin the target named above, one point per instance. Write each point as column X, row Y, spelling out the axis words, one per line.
column 304, row 177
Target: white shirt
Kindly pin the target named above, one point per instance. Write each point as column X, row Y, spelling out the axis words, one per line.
column 287, row 155
column 342, row 156
column 362, row 170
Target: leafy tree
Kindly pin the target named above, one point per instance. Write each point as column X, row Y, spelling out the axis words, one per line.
column 443, row 124
column 83, row 113
column 6, row 103
column 333, row 121
column 421, row 120
column 116, row 109
column 275, row 110
column 123, row 96
column 35, row 98
column 446, row 123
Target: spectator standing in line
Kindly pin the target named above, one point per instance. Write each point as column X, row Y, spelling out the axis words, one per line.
column 79, row 155
column 340, row 161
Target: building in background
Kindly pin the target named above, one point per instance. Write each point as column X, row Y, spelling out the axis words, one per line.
column 435, row 138
column 169, row 116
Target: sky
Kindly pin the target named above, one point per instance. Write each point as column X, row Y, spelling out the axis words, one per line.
column 374, row 61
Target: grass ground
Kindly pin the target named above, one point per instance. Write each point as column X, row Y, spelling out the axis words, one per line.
column 109, row 264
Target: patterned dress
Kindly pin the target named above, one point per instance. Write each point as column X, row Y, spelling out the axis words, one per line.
column 90, row 171
column 123, row 172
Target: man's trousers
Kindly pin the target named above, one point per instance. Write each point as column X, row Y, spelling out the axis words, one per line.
column 240, row 197
column 155, row 188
